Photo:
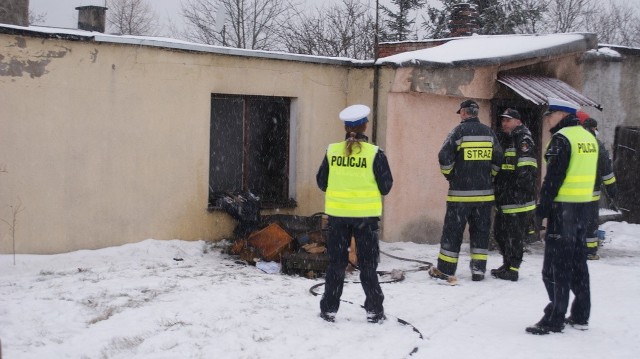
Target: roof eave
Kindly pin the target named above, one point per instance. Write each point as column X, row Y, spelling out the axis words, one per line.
column 589, row 41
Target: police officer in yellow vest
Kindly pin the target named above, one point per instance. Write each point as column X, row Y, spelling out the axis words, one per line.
column 572, row 159
column 355, row 175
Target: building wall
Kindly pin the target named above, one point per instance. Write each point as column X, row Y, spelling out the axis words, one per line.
column 422, row 107
column 616, row 83
column 103, row 144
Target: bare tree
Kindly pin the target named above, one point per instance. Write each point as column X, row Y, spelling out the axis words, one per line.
column 15, row 210
column 569, row 15
column 616, row 24
column 37, row 18
column 248, row 24
column 14, row 12
column 132, row 17
column 346, row 30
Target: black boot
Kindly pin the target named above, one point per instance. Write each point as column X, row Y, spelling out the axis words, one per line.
column 541, row 329
column 507, row 274
column 502, row 268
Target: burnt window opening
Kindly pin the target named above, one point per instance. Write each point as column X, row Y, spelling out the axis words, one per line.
column 249, row 148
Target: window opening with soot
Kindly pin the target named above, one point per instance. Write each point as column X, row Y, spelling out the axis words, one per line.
column 249, row 148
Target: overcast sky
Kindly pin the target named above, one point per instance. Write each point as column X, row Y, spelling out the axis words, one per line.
column 63, row 13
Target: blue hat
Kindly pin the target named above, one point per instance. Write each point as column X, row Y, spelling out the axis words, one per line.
column 355, row 115
column 556, row 104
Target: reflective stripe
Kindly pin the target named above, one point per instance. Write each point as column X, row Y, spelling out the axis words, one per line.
column 479, row 254
column 471, row 199
column 479, row 257
column 474, row 139
column 447, row 256
column 527, row 161
column 577, row 179
column 449, row 253
column 609, row 180
column 592, row 242
column 479, row 251
column 471, row 196
column 475, row 144
column 514, row 269
column 595, row 196
column 518, row 208
column 533, row 164
column 506, row 167
column 354, row 206
column 446, row 169
column 470, row 193
column 510, row 152
column 574, row 191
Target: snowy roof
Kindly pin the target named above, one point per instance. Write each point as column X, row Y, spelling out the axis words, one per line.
column 477, row 50
column 493, row 50
column 164, row 42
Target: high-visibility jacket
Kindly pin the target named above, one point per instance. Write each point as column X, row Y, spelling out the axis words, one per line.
column 580, row 176
column 352, row 190
column 469, row 158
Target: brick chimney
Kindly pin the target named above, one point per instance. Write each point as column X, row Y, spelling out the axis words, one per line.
column 464, row 20
column 92, row 18
column 14, row 12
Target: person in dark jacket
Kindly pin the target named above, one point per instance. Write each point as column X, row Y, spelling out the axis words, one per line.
column 354, row 175
column 572, row 159
column 515, row 187
column 605, row 176
column 469, row 159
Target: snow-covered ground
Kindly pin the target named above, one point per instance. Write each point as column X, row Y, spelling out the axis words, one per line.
column 137, row 301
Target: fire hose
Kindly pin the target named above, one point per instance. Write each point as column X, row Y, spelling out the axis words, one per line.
column 397, row 275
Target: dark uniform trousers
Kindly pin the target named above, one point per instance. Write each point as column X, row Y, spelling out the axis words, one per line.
column 511, row 231
column 365, row 231
column 592, row 227
column 565, row 264
column 455, row 220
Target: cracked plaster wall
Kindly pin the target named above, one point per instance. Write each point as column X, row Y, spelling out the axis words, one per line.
column 105, row 144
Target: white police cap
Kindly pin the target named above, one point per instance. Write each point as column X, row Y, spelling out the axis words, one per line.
column 355, row 115
column 556, row 104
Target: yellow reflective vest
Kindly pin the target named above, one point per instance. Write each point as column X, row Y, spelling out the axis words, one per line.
column 580, row 176
column 352, row 190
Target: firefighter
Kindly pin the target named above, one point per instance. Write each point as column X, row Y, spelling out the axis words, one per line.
column 515, row 194
column 469, row 159
column 355, row 175
column 605, row 176
column 572, row 160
